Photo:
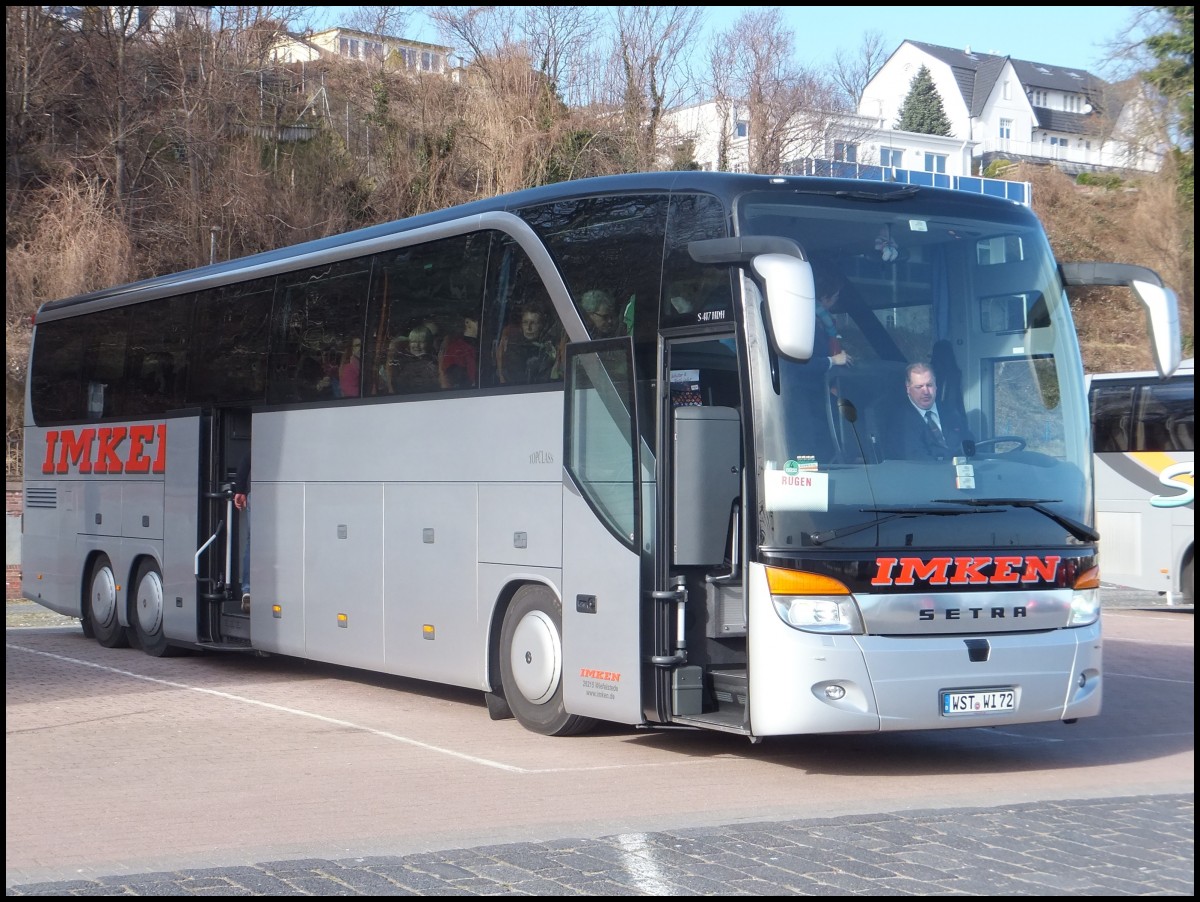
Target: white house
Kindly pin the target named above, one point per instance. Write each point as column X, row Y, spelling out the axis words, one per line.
column 1017, row 110
column 830, row 137
column 350, row 44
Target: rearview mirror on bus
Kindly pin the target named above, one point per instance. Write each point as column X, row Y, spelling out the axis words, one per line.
column 787, row 279
column 791, row 300
column 1162, row 307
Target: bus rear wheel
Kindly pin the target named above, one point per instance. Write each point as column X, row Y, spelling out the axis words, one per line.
column 531, row 664
column 148, row 609
column 102, row 605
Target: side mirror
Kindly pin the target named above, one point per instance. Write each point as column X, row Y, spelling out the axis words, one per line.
column 787, row 281
column 1162, row 307
column 791, row 303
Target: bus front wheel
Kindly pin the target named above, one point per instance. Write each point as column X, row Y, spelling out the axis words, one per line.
column 102, row 605
column 148, row 609
column 531, row 664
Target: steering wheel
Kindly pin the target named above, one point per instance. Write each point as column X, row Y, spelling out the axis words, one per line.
column 1015, row 440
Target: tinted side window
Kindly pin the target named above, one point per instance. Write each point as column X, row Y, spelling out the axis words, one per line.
column 423, row 323
column 1112, row 416
column 612, row 245
column 56, row 382
column 1166, row 416
column 522, row 334
column 160, row 333
column 317, row 349
column 694, row 293
column 229, row 354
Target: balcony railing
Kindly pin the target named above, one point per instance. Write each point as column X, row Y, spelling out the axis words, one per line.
column 1021, row 192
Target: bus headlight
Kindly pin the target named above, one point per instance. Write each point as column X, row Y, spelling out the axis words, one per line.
column 1085, row 607
column 819, row 613
column 813, row 602
column 1085, row 598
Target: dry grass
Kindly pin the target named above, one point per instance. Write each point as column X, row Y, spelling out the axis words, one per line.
column 1139, row 223
column 75, row 244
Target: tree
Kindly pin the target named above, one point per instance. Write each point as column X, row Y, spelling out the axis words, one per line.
column 922, row 111
column 791, row 111
column 652, row 49
column 854, row 71
column 1174, row 77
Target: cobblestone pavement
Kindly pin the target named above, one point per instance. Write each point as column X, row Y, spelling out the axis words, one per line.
column 1110, row 847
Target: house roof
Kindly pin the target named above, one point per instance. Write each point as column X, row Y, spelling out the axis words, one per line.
column 976, row 75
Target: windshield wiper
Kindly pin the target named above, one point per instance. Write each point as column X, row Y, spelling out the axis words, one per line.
column 893, row 513
column 1081, row 531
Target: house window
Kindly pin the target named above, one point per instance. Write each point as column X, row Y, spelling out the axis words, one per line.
column 1007, row 91
column 742, row 129
column 1039, row 98
column 891, row 157
column 430, row 61
column 935, row 162
column 845, row 152
column 1058, row 142
column 1005, row 129
column 408, row 56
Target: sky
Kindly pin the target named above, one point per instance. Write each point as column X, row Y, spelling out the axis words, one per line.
column 1072, row 37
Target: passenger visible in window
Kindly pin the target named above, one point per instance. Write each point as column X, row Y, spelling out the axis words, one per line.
column 459, row 363
column 600, row 313
column 411, row 365
column 350, row 370
column 312, row 382
column 828, row 341
column 527, row 356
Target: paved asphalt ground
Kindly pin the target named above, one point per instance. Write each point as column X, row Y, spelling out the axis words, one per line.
column 1116, row 846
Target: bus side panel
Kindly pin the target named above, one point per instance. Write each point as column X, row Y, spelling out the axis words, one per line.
column 343, row 577
column 181, row 492
column 601, row 617
column 277, row 554
column 432, row 622
column 50, row 573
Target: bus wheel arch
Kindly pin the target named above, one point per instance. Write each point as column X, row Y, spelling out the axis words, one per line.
column 102, row 603
column 1187, row 575
column 530, row 662
column 147, row 608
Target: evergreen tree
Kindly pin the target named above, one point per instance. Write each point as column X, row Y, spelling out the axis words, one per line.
column 1174, row 76
column 922, row 110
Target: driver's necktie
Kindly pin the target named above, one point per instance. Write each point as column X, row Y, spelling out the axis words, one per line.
column 935, row 430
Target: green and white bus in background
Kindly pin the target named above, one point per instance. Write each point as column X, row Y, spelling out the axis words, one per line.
column 1144, row 436
column 665, row 509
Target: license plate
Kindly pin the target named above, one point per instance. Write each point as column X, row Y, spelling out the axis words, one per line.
column 978, row 701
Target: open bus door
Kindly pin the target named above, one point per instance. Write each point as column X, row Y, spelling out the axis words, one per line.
column 602, row 581
column 218, row 557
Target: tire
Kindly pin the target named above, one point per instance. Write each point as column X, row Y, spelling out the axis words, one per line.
column 102, row 605
column 531, row 664
column 1189, row 581
column 146, row 612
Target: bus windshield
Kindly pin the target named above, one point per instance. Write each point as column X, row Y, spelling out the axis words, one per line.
column 921, row 308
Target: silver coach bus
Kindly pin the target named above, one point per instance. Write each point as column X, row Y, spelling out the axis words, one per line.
column 603, row 450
